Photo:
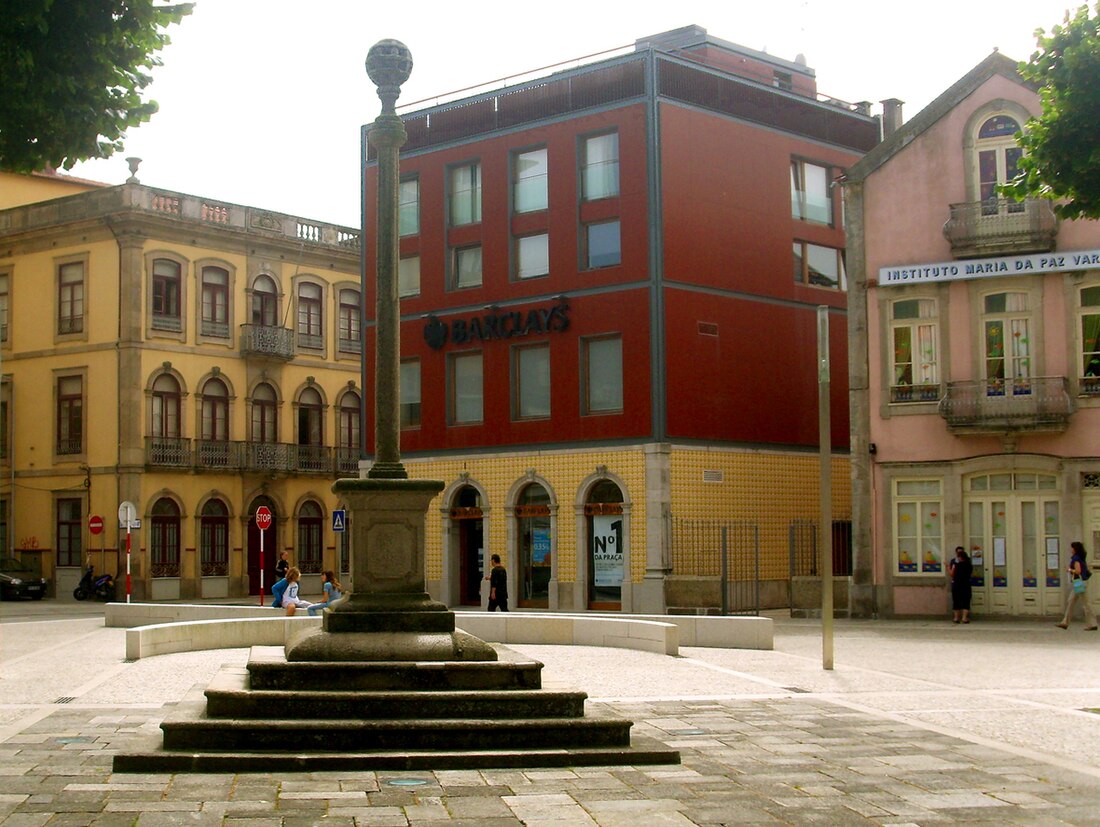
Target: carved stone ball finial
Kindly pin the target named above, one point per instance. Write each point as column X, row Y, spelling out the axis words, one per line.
column 389, row 64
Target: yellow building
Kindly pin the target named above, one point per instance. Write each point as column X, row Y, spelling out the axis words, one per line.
column 200, row 359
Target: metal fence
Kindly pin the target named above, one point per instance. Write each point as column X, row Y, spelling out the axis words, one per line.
column 727, row 551
column 804, row 556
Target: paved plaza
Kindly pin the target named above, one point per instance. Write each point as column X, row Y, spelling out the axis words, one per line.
column 919, row 723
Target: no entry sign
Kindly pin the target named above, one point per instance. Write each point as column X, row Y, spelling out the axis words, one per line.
column 95, row 524
column 263, row 518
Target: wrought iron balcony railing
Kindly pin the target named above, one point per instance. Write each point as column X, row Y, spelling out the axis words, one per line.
column 315, row 459
column 999, row 405
column 266, row 456
column 267, row 342
column 915, row 393
column 170, row 451
column 217, row 454
column 1001, row 226
column 233, row 457
column 347, row 461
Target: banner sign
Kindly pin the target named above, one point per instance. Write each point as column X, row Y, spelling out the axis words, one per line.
column 607, row 551
column 983, row 267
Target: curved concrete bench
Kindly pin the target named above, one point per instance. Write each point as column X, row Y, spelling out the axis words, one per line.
column 156, row 629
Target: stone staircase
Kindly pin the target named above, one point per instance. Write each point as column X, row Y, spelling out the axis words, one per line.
column 277, row 715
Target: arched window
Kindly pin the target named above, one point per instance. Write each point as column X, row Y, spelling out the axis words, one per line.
column 604, row 516
column 214, row 439
column 165, row 419
column 214, row 539
column 265, row 302
column 264, row 414
column 309, row 417
column 309, row 538
column 998, row 162
column 164, row 539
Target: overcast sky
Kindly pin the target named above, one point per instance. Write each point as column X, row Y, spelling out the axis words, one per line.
column 261, row 100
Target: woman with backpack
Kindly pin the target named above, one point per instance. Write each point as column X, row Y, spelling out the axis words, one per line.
column 1078, row 575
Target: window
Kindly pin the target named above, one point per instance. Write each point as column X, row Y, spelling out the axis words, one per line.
column 214, row 447
column 70, row 298
column 265, row 302
column 531, row 381
column 410, row 393
column 70, row 530
column 465, row 195
column 70, row 415
column 215, row 302
column 600, row 167
column 1007, row 343
column 264, row 419
column 164, row 539
column 782, row 80
column 408, row 276
column 466, row 267
column 916, row 368
column 309, row 316
column 466, row 391
column 811, row 193
column 349, row 326
column 529, row 176
column 1090, row 340
column 998, row 162
column 214, row 539
column 819, row 266
column 408, row 207
column 532, row 255
column 601, row 245
column 918, row 526
column 4, row 298
column 310, row 414
column 603, row 374
column 166, row 295
column 348, row 422
column 309, row 538
column 165, row 420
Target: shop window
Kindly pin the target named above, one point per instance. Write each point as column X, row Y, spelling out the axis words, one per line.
column 466, row 396
column 819, row 266
column 70, row 532
column 918, row 526
column 529, row 177
column 913, row 331
column 600, row 167
column 603, row 374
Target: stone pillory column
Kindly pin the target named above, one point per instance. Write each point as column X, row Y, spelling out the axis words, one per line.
column 388, row 616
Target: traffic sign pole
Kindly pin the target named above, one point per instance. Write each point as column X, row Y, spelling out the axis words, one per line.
column 263, row 522
column 127, row 511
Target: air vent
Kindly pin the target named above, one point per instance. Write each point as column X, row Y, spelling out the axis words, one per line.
column 707, row 329
column 713, row 476
column 65, row 700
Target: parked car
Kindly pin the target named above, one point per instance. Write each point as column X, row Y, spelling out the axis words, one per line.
column 17, row 579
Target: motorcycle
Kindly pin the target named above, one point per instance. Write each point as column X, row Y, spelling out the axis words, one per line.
column 101, row 588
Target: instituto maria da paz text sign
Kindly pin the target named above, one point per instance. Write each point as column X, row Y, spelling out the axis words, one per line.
column 982, row 267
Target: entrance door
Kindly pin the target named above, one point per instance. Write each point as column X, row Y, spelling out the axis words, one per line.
column 606, row 555
column 271, row 547
column 1013, row 531
column 471, row 562
column 533, row 538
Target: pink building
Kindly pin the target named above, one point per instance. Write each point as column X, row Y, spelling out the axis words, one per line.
column 974, row 339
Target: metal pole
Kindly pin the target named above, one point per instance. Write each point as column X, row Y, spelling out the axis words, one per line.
column 825, row 453
column 725, row 571
column 128, row 558
column 262, row 533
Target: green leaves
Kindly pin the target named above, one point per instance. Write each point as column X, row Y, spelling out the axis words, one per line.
column 72, row 74
column 1062, row 145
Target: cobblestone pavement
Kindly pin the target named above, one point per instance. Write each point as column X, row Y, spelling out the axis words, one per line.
column 920, row 723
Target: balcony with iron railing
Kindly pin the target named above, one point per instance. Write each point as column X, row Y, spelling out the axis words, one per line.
column 986, row 406
column 1001, row 226
column 168, row 451
column 234, row 457
column 267, row 342
column 915, row 393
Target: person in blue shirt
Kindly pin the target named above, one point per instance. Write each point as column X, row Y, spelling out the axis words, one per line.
column 332, row 591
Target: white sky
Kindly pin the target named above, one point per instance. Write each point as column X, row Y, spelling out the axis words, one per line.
column 261, row 100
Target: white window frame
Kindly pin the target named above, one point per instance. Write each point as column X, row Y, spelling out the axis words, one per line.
column 530, row 180
column 812, row 192
column 600, row 177
column 921, row 509
column 464, row 181
column 923, row 364
column 466, row 388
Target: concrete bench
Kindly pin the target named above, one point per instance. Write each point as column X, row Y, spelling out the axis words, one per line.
column 156, row 629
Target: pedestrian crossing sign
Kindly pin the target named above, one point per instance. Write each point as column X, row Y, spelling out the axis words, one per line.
column 339, row 519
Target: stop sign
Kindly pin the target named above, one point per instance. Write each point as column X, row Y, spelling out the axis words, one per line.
column 95, row 524
column 263, row 518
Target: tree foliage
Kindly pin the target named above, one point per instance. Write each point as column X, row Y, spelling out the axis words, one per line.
column 72, row 73
column 1062, row 146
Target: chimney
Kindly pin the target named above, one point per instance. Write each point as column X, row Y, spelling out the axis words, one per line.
column 891, row 116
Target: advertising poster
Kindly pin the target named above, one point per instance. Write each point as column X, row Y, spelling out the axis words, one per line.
column 607, row 552
column 540, row 547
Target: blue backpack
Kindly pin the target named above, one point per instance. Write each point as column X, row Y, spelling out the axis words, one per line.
column 277, row 593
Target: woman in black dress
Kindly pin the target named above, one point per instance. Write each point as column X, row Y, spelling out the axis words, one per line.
column 959, row 571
